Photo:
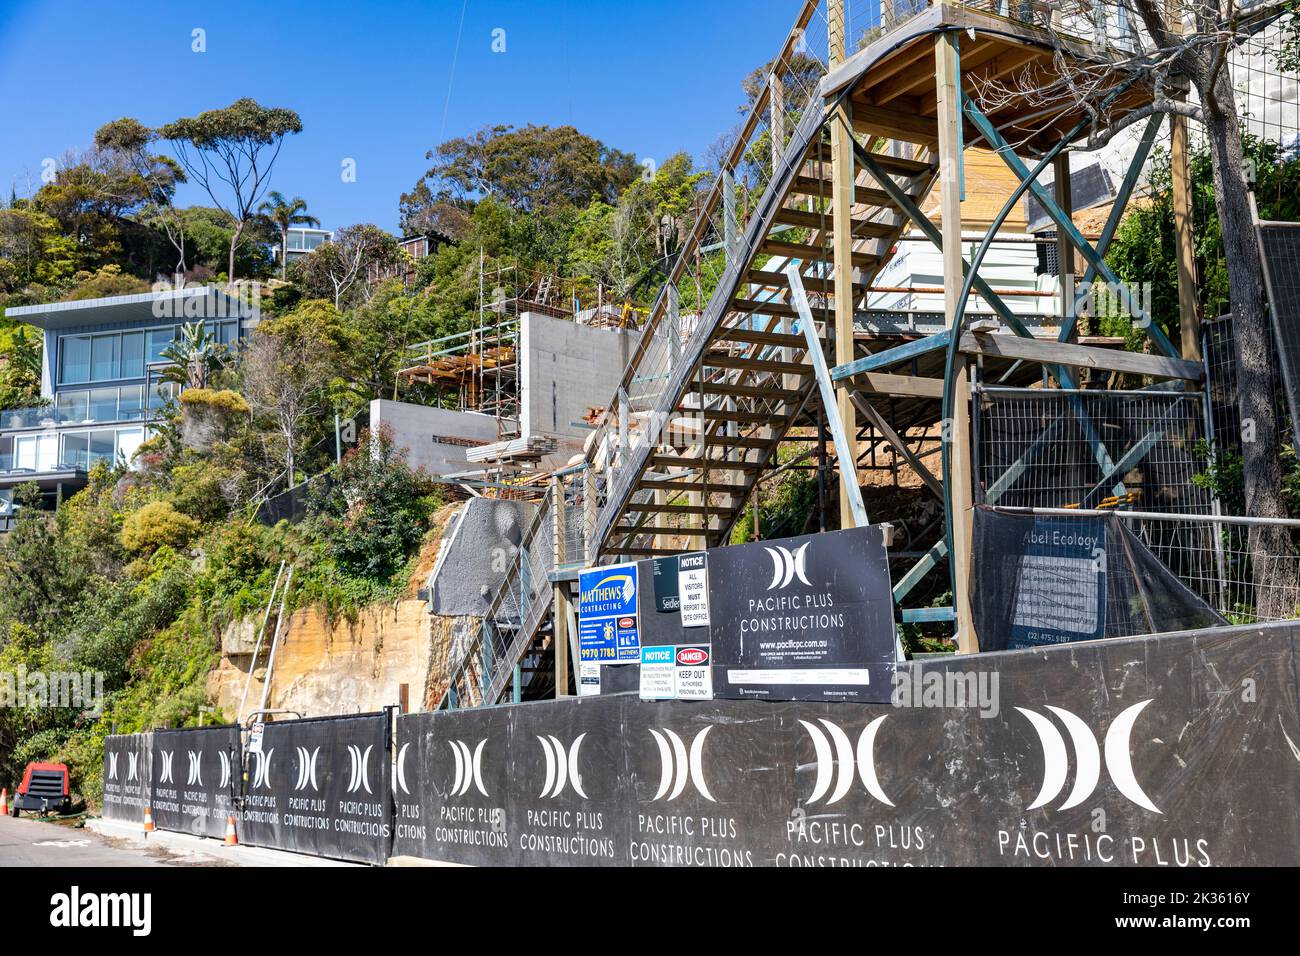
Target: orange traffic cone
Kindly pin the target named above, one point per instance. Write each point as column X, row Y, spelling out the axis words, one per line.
column 4, row 801
column 148, row 820
column 231, row 838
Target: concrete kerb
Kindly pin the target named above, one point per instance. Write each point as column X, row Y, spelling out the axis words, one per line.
column 184, row 842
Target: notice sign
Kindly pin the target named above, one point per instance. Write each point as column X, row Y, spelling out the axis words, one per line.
column 658, row 673
column 806, row 618
column 588, row 679
column 676, row 672
column 607, row 615
column 693, row 584
column 1060, row 592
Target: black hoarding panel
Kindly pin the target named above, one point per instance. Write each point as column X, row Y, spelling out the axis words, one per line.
column 195, row 779
column 1162, row 751
column 528, row 785
column 806, row 618
column 127, row 776
column 321, row 786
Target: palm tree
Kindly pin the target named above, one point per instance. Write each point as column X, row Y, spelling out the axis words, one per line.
column 286, row 213
column 194, row 356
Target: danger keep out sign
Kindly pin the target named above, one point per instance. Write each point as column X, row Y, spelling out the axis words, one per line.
column 676, row 672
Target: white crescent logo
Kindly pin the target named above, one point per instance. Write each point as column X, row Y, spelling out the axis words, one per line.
column 262, row 775
column 166, row 769
column 1056, row 760
column 225, row 769
column 360, row 778
column 131, row 766
column 469, row 769
column 841, row 766
column 676, row 767
column 788, row 565
column 399, row 770
column 112, row 766
column 306, row 768
column 194, row 776
column 561, row 768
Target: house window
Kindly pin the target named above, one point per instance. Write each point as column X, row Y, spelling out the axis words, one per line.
column 76, row 450
column 74, row 358
column 159, row 339
column 72, row 406
column 109, row 356
column 132, row 354
column 35, row 452
column 129, row 441
column 130, row 406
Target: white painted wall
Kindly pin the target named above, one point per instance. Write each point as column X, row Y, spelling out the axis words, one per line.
column 417, row 428
column 1008, row 265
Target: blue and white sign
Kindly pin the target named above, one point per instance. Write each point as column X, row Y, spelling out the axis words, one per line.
column 608, row 631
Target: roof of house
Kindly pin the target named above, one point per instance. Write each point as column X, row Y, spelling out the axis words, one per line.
column 182, row 305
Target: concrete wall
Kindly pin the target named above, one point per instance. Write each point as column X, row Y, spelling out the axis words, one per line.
column 566, row 368
column 417, row 428
column 476, row 550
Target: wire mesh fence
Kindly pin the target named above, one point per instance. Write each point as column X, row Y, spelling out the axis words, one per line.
column 1246, row 569
column 1064, row 448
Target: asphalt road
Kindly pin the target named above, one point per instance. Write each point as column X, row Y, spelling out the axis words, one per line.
column 27, row 842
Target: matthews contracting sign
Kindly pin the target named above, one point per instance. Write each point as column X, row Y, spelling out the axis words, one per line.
column 1126, row 752
column 808, row 618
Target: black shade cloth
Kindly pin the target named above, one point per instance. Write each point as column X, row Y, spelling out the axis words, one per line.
column 1053, row 580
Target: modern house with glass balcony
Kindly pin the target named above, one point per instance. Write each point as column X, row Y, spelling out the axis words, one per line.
column 101, row 382
column 301, row 241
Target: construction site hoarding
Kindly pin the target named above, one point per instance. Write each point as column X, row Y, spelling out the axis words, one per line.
column 128, row 780
column 195, row 779
column 321, row 786
column 1154, row 736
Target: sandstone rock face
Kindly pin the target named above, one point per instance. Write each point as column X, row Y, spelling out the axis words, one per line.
column 339, row 667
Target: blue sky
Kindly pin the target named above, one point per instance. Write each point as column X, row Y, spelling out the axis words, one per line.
column 370, row 79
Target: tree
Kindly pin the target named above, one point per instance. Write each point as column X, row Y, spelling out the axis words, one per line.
column 376, row 512
column 130, row 140
column 194, row 357
column 335, row 268
column 286, row 213
column 20, row 374
column 230, row 152
column 536, row 168
column 422, row 214
column 1162, row 56
column 287, row 367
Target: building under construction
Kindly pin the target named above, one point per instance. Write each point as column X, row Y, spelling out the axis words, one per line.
column 1005, row 397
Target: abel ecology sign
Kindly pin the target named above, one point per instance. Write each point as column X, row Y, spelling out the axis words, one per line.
column 807, row 618
column 607, row 616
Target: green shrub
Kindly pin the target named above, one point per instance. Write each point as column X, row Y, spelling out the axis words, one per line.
column 223, row 400
column 376, row 512
column 156, row 524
